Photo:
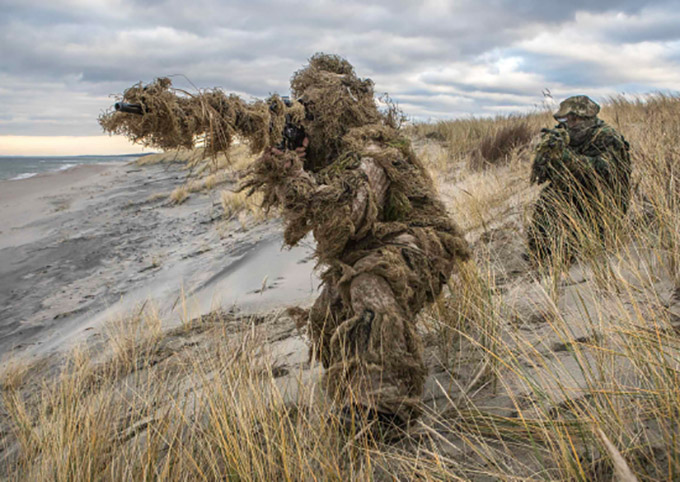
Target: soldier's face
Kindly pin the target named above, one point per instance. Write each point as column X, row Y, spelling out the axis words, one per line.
column 573, row 121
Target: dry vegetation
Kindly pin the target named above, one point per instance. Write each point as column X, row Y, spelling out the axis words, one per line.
column 179, row 195
column 481, row 143
column 206, row 173
column 557, row 373
column 242, row 207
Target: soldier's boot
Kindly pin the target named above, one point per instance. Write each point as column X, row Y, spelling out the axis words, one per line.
column 357, row 421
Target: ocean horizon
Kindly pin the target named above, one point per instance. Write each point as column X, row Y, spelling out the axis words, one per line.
column 15, row 168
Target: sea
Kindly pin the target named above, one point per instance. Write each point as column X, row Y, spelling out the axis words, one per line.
column 15, row 168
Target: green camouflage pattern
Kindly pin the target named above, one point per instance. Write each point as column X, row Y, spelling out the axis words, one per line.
column 589, row 185
column 580, row 105
column 548, row 153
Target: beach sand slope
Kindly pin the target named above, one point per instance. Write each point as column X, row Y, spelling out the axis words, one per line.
column 91, row 244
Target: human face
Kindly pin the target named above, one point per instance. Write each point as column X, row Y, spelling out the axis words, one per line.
column 571, row 121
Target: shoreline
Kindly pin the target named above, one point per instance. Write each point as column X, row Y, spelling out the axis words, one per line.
column 65, row 167
column 18, row 168
column 88, row 245
column 24, row 202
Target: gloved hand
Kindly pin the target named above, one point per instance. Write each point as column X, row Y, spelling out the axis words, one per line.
column 548, row 153
column 287, row 162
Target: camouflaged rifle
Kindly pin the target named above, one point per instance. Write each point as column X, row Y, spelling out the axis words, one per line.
column 549, row 153
column 158, row 115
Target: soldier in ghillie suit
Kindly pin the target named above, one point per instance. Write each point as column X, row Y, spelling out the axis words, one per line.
column 588, row 165
column 384, row 239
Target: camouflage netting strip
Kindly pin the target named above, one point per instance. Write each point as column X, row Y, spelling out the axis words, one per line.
column 176, row 119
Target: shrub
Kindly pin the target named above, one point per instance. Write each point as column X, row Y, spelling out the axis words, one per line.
column 497, row 147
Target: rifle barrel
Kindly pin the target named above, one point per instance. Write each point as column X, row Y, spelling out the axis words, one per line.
column 129, row 108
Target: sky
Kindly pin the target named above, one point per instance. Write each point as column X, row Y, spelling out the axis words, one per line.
column 62, row 60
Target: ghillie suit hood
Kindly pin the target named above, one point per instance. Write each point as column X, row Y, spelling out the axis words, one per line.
column 336, row 101
column 343, row 124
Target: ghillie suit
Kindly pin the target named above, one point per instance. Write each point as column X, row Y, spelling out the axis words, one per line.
column 384, row 239
column 589, row 171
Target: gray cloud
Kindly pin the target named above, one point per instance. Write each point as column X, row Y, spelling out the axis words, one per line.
column 438, row 58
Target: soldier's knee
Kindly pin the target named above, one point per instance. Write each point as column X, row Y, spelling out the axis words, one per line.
column 371, row 292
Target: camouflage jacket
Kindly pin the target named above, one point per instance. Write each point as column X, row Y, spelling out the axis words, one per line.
column 600, row 162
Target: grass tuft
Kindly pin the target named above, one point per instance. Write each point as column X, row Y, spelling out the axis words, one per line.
column 497, row 147
column 179, row 195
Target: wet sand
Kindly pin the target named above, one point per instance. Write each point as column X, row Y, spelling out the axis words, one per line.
column 91, row 244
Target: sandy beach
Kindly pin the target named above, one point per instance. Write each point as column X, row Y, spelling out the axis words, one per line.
column 85, row 246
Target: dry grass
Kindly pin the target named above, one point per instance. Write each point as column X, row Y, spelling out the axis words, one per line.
column 463, row 138
column 551, row 374
column 498, row 147
column 162, row 408
column 239, row 205
column 179, row 195
column 158, row 196
column 206, row 174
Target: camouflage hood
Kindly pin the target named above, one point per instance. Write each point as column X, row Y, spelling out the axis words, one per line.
column 336, row 101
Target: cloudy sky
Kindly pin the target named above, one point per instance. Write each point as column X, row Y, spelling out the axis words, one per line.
column 61, row 59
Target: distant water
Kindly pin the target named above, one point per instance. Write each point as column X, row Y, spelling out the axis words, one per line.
column 23, row 167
